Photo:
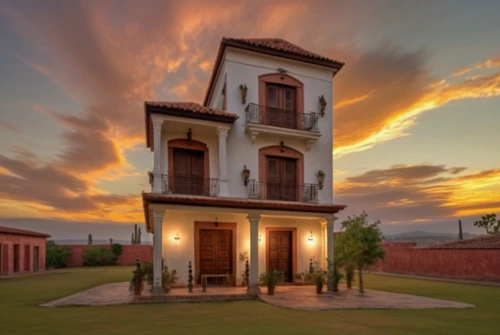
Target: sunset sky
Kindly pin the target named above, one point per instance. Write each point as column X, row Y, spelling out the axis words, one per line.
column 416, row 113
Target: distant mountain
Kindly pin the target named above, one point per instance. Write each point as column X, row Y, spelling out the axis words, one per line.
column 423, row 238
column 95, row 241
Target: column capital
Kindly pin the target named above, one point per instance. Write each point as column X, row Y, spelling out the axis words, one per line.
column 157, row 215
column 157, row 123
column 328, row 220
column 222, row 132
column 253, row 218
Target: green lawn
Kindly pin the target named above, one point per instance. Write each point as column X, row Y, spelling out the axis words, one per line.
column 20, row 314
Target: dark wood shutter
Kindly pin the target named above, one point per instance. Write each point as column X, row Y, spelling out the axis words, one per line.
column 281, row 106
column 272, row 96
column 273, row 180
column 289, row 189
column 281, row 178
column 188, row 172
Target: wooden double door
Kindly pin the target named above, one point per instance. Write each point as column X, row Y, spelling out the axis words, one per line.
column 188, row 175
column 280, row 256
column 281, row 106
column 282, row 179
column 216, row 253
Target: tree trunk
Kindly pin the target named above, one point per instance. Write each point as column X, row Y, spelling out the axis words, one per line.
column 360, row 275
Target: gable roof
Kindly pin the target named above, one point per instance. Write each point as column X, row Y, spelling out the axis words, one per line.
column 15, row 231
column 483, row 242
column 270, row 46
column 185, row 109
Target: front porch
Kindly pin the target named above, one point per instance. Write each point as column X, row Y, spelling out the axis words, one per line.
column 287, row 296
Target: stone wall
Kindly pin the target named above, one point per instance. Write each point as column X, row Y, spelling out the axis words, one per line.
column 405, row 258
column 26, row 259
column 130, row 253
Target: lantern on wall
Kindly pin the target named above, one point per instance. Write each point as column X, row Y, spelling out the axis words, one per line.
column 243, row 93
column 320, row 176
column 322, row 105
column 246, row 175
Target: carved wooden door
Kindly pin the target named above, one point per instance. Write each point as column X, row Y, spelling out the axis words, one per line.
column 280, row 253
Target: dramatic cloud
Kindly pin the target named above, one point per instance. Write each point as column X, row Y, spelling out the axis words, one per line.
column 414, row 193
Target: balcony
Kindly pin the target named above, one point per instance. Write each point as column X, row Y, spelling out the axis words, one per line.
column 280, row 192
column 189, row 185
column 264, row 120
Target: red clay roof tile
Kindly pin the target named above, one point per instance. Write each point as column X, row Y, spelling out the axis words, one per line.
column 15, row 231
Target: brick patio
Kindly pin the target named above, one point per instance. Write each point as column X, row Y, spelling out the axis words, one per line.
column 296, row 297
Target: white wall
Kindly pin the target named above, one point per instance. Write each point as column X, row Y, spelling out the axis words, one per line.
column 243, row 67
column 177, row 254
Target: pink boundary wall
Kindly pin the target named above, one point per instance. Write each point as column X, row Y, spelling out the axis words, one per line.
column 130, row 253
column 405, row 258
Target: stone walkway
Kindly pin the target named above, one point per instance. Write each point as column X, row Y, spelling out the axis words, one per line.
column 305, row 298
column 296, row 297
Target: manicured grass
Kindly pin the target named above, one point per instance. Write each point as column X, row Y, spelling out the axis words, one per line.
column 20, row 314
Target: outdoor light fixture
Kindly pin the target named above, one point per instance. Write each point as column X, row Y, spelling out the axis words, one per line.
column 311, row 238
column 246, row 175
column 177, row 237
column 216, row 223
column 189, row 136
column 259, row 238
column 320, row 176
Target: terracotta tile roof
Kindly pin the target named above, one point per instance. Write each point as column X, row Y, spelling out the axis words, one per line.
column 236, row 203
column 185, row 109
column 15, row 231
column 484, row 242
column 271, row 46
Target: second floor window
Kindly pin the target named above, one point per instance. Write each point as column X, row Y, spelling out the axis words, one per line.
column 281, row 104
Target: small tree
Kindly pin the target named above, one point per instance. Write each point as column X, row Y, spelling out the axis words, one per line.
column 490, row 223
column 360, row 244
column 57, row 255
column 110, row 241
column 90, row 239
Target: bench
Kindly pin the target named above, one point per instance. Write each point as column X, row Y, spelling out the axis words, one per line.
column 227, row 279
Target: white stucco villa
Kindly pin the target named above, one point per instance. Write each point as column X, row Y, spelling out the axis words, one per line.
column 243, row 172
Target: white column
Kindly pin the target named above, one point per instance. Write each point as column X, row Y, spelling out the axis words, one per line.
column 253, row 287
column 157, row 251
column 157, row 124
column 223, row 179
column 329, row 224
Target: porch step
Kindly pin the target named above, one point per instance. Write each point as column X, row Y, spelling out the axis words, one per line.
column 192, row 298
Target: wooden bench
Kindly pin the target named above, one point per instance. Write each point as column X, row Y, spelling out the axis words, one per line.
column 227, row 279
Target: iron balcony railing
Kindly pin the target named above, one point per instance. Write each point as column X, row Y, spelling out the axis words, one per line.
column 270, row 116
column 190, row 185
column 276, row 191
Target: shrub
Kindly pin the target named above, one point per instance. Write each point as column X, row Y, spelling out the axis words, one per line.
column 270, row 279
column 57, row 255
column 98, row 256
column 148, row 272
column 116, row 250
column 168, row 278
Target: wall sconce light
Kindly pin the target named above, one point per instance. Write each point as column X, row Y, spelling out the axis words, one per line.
column 322, row 105
column 246, row 175
column 260, row 238
column 320, row 176
column 189, row 136
column 282, row 145
column 243, row 93
column 177, row 237
column 310, row 238
column 216, row 222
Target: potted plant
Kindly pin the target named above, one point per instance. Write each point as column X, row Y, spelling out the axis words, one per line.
column 319, row 280
column 297, row 280
column 243, row 92
column 337, row 276
column 270, row 279
column 148, row 272
column 322, row 105
column 169, row 278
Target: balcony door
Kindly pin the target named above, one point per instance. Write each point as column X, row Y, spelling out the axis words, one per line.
column 188, row 172
column 281, row 178
column 281, row 106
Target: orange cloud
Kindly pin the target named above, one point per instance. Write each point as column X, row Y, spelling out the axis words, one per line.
column 460, row 72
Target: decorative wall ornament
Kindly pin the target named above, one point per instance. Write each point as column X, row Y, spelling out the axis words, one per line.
column 321, row 178
column 243, row 93
column 189, row 136
column 322, row 105
column 151, row 177
column 282, row 144
column 246, row 175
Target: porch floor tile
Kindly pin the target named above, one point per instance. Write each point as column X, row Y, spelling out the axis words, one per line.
column 296, row 297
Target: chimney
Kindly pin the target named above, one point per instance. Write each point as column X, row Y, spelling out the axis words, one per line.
column 460, row 235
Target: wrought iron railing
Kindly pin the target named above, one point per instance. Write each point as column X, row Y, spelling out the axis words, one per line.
column 276, row 191
column 190, row 185
column 283, row 118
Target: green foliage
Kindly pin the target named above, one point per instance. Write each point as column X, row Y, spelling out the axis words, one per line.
column 148, row 271
column 490, row 223
column 349, row 274
column 270, row 279
column 100, row 256
column 57, row 255
column 168, row 278
column 89, row 241
column 359, row 245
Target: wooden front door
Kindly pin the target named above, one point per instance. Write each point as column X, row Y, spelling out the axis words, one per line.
column 282, row 179
column 216, row 253
column 36, row 259
column 188, row 172
column 280, row 253
column 281, row 106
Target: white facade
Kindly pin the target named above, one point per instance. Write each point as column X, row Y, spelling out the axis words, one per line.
column 230, row 148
